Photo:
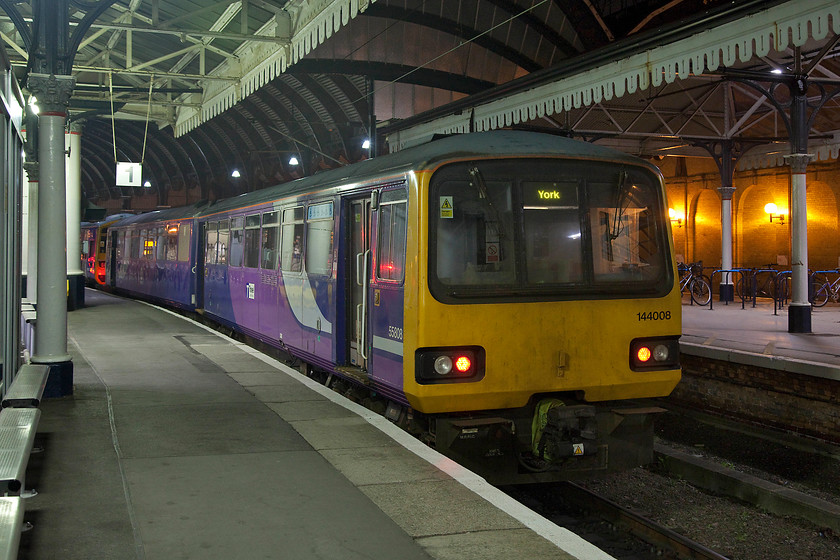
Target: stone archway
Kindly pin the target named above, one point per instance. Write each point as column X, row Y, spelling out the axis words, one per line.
column 705, row 228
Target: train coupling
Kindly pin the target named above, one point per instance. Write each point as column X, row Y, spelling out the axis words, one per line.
column 560, row 431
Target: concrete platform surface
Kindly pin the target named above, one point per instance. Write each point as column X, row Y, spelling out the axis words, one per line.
column 757, row 336
column 180, row 443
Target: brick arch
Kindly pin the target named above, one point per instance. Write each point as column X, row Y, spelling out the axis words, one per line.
column 822, row 226
column 758, row 241
column 704, row 227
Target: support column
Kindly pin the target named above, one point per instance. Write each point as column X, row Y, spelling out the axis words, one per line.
column 799, row 310
column 727, row 287
column 75, row 271
column 726, row 165
column 53, row 93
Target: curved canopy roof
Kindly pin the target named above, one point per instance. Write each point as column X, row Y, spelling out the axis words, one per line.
column 198, row 88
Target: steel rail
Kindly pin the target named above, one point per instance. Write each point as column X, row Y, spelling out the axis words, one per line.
column 641, row 527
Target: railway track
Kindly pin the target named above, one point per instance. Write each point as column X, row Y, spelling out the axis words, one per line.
column 619, row 531
column 665, row 542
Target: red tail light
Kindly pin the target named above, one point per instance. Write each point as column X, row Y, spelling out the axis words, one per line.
column 463, row 364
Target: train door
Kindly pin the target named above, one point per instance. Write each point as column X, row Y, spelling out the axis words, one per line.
column 359, row 267
column 116, row 250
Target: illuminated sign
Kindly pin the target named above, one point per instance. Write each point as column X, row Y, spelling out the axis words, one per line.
column 553, row 195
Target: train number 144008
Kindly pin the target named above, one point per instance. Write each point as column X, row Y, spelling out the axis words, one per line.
column 653, row 315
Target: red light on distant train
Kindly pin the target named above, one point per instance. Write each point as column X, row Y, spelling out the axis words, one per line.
column 463, row 364
column 643, row 354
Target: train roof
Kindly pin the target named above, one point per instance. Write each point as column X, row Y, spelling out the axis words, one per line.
column 480, row 145
column 166, row 214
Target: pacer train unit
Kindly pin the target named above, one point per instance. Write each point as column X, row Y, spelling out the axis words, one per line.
column 504, row 294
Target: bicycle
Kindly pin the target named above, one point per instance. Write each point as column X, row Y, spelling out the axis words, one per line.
column 692, row 280
column 825, row 291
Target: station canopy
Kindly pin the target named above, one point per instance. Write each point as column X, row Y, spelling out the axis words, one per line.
column 216, row 97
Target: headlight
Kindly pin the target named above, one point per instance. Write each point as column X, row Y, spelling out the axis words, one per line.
column 661, row 353
column 443, row 365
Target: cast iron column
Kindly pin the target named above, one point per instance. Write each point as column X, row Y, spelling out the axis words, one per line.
column 53, row 93
column 727, row 173
column 799, row 310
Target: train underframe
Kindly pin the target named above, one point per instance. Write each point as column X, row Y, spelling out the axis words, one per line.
column 551, row 439
column 573, row 440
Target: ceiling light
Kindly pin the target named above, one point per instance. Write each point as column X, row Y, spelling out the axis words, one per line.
column 235, row 173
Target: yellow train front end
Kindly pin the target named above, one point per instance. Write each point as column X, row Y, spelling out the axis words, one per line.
column 545, row 301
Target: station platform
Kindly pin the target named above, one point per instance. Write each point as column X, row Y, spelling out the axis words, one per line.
column 181, row 443
column 759, row 336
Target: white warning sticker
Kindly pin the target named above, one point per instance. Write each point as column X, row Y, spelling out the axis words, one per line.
column 578, row 447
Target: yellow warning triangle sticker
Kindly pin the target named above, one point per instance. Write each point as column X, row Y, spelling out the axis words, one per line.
column 446, row 203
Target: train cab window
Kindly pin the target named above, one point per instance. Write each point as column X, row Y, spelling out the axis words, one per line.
column 623, row 229
column 319, row 239
column 291, row 250
column 211, row 235
column 391, row 236
column 252, row 242
column 551, row 222
column 543, row 229
column 184, row 234
column 237, row 241
column 270, row 240
column 475, row 232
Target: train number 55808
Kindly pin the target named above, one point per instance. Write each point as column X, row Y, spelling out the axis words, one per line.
column 653, row 315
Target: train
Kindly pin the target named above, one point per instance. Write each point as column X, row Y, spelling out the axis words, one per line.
column 508, row 297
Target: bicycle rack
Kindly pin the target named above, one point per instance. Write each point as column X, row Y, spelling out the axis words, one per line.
column 780, row 296
column 729, row 279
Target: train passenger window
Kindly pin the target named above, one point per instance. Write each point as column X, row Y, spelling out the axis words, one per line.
column 148, row 236
column 160, row 244
column 237, row 241
column 270, row 240
column 136, row 245
column 252, row 241
column 172, row 242
column 291, row 250
column 223, row 242
column 319, row 239
column 120, row 244
column 184, row 233
column 211, row 233
column 391, row 236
